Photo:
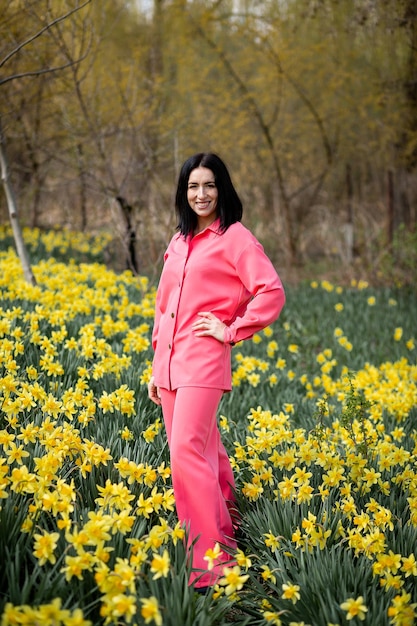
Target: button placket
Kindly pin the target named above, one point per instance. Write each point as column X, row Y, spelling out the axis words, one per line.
column 175, row 306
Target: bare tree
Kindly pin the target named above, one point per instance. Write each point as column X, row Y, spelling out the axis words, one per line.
column 124, row 143
column 14, row 219
column 17, row 75
column 310, row 188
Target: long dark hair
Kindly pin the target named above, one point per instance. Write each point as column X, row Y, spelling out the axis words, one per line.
column 229, row 206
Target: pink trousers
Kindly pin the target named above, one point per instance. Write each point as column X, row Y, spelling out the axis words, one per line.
column 202, row 476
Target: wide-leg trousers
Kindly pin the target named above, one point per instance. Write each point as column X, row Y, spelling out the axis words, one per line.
column 202, row 476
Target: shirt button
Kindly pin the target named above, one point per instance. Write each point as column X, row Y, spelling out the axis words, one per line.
column 169, row 346
column 172, row 314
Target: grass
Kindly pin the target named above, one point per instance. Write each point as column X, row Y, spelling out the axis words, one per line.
column 320, row 427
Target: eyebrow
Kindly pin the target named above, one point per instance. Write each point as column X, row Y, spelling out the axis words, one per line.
column 206, row 182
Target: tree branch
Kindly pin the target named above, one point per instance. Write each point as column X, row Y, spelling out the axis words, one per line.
column 40, row 32
column 44, row 71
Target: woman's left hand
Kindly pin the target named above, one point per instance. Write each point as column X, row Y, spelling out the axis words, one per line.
column 209, row 326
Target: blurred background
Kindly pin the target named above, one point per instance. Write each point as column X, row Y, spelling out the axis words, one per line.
column 311, row 103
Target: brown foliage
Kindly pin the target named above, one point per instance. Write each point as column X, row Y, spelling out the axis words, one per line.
column 310, row 103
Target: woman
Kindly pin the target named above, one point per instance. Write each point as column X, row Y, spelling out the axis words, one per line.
column 217, row 287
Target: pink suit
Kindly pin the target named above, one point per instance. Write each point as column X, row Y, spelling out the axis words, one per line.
column 229, row 275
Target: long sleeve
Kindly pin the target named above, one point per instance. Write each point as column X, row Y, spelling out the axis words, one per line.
column 156, row 323
column 158, row 311
column 259, row 277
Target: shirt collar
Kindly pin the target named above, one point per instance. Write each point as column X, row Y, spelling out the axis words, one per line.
column 214, row 227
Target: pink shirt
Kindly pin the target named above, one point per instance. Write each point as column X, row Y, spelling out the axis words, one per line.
column 225, row 273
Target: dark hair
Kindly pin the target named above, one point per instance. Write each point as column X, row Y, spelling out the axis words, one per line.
column 229, row 206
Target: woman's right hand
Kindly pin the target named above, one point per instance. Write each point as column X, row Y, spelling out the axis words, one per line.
column 153, row 392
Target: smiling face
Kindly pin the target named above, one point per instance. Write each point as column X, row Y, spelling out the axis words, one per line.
column 202, row 196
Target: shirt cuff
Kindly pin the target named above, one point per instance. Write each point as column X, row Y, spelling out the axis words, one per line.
column 229, row 336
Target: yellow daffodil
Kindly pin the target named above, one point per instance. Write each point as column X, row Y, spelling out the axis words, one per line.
column 45, row 546
column 160, row 565
column 291, row 592
column 354, row 608
column 150, row 611
column 212, row 556
column 233, row 580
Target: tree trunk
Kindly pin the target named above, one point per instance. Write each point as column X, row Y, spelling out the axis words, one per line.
column 82, row 187
column 390, row 209
column 14, row 220
column 410, row 20
column 348, row 227
column 130, row 236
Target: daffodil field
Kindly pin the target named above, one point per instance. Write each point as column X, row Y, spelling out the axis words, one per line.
column 321, row 427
